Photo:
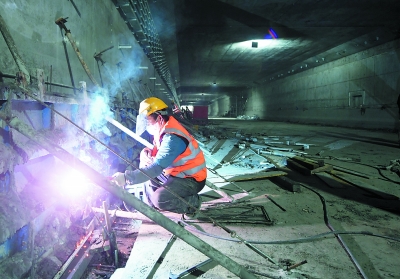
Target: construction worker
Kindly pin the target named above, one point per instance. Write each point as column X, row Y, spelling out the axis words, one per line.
column 174, row 171
column 177, row 111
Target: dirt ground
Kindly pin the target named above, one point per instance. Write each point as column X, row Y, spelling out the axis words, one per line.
column 358, row 201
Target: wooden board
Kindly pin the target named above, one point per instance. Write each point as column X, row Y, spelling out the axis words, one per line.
column 330, row 180
column 257, row 175
column 357, row 182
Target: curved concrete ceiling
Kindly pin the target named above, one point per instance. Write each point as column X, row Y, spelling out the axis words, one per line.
column 210, row 41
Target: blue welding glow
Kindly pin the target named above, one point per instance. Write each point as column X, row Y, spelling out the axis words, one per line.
column 46, row 118
column 16, row 243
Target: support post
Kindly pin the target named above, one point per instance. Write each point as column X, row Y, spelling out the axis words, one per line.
column 40, row 79
column 61, row 23
column 26, row 78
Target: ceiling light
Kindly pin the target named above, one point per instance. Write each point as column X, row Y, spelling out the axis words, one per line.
column 124, row 46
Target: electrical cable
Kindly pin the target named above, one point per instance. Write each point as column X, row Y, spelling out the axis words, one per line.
column 289, row 241
column 312, row 238
column 349, row 253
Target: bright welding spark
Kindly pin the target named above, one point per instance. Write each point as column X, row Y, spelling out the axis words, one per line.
column 74, row 184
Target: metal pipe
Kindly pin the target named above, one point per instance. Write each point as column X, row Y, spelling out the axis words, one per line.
column 171, row 241
column 130, row 199
column 107, row 217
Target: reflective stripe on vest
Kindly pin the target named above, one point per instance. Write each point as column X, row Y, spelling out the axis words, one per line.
column 191, row 163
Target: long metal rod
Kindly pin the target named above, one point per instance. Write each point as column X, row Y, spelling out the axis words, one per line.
column 162, row 256
column 129, row 132
column 146, row 210
column 78, row 53
column 72, row 257
column 71, row 76
column 13, row 49
column 61, row 23
column 196, row 268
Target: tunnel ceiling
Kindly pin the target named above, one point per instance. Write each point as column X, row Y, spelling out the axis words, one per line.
column 209, row 41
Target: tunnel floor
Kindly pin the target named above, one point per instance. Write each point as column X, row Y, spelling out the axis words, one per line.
column 342, row 221
column 329, row 210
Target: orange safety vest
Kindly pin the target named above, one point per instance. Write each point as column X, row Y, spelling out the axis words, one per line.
column 191, row 163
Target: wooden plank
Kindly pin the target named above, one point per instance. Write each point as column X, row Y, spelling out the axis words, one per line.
column 287, row 183
column 365, row 186
column 330, row 180
column 326, row 168
column 298, row 167
column 310, row 164
column 257, row 175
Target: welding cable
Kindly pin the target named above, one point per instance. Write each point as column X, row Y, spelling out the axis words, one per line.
column 290, row 241
column 343, row 244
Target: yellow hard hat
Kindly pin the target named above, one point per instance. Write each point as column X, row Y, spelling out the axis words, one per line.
column 151, row 105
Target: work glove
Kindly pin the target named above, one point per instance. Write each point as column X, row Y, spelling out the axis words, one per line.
column 145, row 157
column 119, row 179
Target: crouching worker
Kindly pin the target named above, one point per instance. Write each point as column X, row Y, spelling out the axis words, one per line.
column 174, row 171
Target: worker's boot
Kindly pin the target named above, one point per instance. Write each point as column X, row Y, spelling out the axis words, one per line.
column 193, row 213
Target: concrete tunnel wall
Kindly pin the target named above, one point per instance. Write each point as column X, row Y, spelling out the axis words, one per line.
column 94, row 25
column 333, row 93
